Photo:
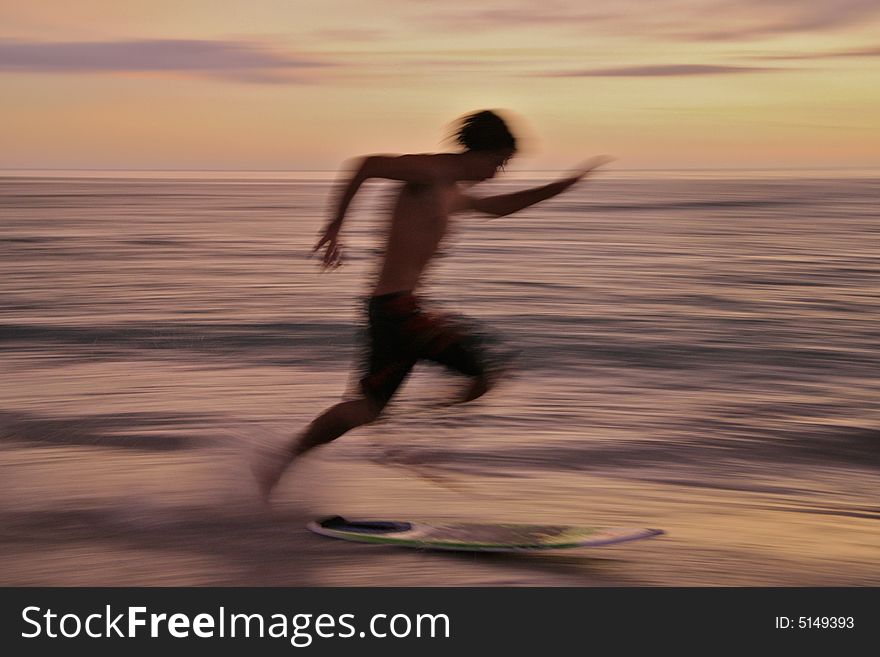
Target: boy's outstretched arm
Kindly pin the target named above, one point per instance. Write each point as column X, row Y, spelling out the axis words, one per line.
column 504, row 204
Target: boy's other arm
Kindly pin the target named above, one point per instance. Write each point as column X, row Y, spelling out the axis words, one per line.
column 424, row 169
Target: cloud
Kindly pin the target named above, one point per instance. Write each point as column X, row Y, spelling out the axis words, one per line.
column 689, row 20
column 863, row 52
column 815, row 15
column 506, row 17
column 667, row 70
column 528, row 16
column 349, row 34
column 227, row 60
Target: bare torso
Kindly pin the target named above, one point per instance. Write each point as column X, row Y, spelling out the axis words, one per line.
column 419, row 221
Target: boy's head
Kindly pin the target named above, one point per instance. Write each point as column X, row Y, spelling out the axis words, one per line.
column 487, row 141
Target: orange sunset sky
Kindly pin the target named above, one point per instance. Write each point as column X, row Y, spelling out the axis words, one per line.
column 296, row 84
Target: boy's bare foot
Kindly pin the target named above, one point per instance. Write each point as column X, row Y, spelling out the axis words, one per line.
column 491, row 377
column 268, row 463
column 479, row 387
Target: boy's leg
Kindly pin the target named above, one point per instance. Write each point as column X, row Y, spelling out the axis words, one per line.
column 385, row 370
column 459, row 351
column 332, row 423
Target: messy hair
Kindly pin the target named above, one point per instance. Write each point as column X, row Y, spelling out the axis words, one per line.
column 484, row 131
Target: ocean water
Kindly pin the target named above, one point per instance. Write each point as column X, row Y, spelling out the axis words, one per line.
column 694, row 351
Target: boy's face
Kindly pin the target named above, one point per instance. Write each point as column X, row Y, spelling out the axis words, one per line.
column 488, row 163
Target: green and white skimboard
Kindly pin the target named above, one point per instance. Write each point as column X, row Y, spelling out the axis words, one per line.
column 475, row 537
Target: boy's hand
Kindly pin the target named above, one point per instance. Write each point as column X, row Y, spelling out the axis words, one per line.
column 588, row 167
column 330, row 238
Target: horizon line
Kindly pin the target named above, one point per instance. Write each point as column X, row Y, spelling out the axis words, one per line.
column 200, row 170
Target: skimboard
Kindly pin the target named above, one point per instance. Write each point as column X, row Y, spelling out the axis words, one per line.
column 475, row 537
